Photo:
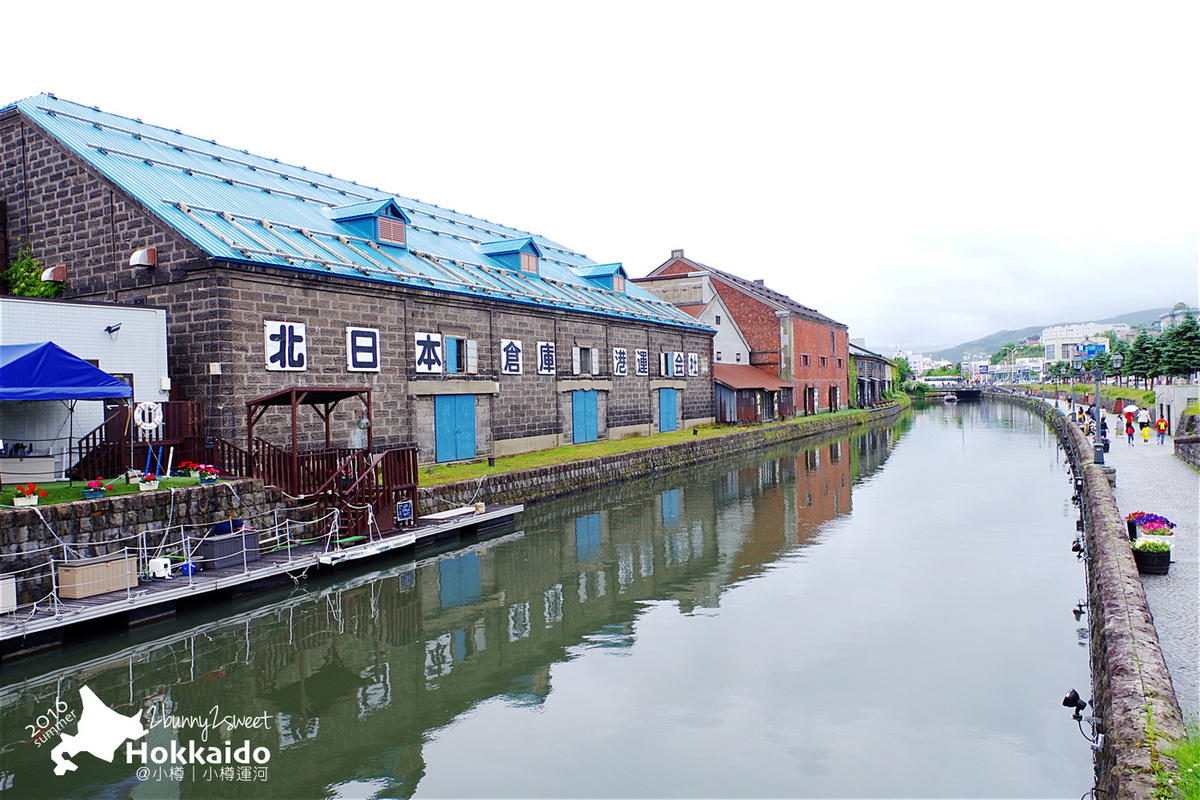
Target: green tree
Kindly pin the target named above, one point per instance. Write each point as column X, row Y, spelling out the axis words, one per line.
column 1122, row 347
column 1142, row 361
column 1179, row 348
column 24, row 277
column 904, row 370
column 1001, row 355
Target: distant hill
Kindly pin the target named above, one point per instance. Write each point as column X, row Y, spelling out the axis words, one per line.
column 991, row 343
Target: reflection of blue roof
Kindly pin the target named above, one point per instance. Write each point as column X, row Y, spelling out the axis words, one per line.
column 244, row 208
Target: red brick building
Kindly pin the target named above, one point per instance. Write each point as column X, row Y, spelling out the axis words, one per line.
column 798, row 344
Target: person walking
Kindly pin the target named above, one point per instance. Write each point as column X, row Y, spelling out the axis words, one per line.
column 1146, row 435
column 1129, row 431
column 1143, row 418
column 1161, row 427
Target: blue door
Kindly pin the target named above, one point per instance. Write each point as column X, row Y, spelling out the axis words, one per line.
column 584, row 416
column 454, row 426
column 666, row 410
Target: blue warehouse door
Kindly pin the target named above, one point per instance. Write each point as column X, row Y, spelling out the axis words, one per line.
column 454, row 426
column 666, row 410
column 584, row 416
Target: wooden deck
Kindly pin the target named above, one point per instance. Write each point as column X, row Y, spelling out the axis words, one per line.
column 49, row 616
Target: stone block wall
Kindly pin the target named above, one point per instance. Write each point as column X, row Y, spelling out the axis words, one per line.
column 29, row 537
column 1132, row 690
column 1188, row 448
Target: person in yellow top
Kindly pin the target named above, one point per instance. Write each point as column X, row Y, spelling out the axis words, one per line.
column 1161, row 427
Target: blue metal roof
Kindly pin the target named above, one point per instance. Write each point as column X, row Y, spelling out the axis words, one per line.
column 601, row 270
column 240, row 207
column 505, row 246
column 368, row 208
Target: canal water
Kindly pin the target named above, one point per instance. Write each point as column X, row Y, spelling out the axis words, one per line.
column 888, row 614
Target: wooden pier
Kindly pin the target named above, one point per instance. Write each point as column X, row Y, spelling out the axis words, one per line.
column 40, row 626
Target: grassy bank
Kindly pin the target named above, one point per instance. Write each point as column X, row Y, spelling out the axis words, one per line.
column 1143, row 397
column 66, row 492
column 434, row 475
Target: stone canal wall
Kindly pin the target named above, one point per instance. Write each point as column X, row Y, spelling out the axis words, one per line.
column 29, row 536
column 531, row 485
column 1188, row 448
column 1131, row 687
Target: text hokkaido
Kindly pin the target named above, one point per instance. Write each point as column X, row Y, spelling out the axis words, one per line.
column 197, row 754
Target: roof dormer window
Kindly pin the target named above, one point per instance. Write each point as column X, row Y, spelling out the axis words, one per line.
column 391, row 231
column 608, row 276
column 517, row 254
column 381, row 221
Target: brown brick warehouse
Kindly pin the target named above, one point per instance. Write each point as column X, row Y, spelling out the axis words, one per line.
column 477, row 339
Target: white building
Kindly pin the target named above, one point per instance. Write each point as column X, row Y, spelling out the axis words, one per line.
column 1061, row 341
column 128, row 342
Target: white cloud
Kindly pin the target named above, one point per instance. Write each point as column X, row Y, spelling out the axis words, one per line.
column 922, row 171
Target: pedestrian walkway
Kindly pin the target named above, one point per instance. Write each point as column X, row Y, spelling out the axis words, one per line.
column 1150, row 478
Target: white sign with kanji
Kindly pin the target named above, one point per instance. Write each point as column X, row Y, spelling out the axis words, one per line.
column 429, row 355
column 286, row 346
column 512, row 361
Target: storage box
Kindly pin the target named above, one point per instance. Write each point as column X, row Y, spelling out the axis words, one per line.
column 225, row 550
column 85, row 577
column 8, row 593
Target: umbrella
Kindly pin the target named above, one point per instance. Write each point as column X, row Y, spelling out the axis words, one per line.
column 1129, row 408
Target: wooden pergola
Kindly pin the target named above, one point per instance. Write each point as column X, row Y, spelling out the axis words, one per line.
column 322, row 400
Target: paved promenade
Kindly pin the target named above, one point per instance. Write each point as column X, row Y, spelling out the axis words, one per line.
column 1150, row 478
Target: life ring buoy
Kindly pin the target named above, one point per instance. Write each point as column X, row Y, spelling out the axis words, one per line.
column 148, row 416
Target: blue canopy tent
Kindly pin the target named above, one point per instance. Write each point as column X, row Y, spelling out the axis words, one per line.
column 45, row 371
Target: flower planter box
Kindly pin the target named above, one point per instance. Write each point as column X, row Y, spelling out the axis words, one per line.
column 86, row 577
column 147, row 486
column 225, row 550
column 1152, row 563
column 1170, row 540
column 31, row 500
column 93, row 494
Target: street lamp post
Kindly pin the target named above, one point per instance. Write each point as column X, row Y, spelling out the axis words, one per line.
column 1116, row 361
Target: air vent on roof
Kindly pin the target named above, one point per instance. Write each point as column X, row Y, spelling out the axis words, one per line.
column 391, row 230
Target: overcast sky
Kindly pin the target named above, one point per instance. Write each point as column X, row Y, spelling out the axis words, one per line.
column 925, row 172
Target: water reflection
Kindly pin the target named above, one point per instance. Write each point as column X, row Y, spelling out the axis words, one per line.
column 359, row 675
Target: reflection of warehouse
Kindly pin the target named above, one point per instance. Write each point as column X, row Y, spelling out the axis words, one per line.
column 395, row 656
column 476, row 338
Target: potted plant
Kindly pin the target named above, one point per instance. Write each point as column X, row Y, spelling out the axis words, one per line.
column 27, row 495
column 208, row 473
column 1153, row 557
column 191, row 468
column 95, row 489
column 148, row 483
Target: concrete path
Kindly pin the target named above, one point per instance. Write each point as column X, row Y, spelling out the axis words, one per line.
column 1150, row 478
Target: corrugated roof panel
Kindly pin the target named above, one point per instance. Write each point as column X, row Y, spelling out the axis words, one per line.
column 168, row 172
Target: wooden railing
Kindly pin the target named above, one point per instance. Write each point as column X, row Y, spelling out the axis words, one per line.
column 384, row 482
column 106, row 450
column 360, row 484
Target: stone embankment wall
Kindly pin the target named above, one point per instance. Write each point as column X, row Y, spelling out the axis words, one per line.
column 30, row 536
column 1188, row 448
column 1132, row 691
column 529, row 486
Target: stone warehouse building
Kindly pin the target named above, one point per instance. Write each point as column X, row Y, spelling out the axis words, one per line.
column 476, row 338
column 802, row 347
